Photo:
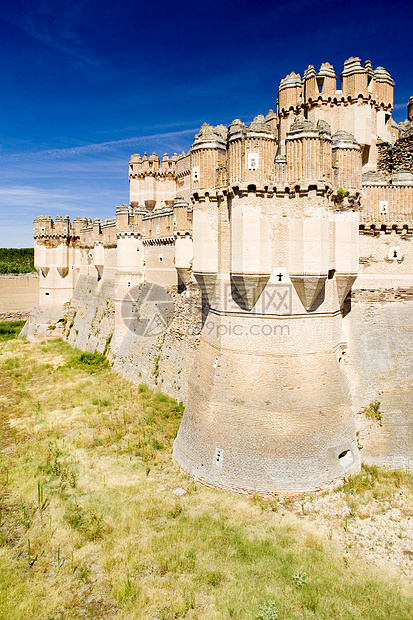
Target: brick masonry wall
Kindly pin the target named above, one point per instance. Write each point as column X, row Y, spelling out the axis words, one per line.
column 377, row 254
column 163, row 360
column 379, row 365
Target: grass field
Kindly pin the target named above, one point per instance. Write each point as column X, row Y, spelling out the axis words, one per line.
column 90, row 525
column 16, row 260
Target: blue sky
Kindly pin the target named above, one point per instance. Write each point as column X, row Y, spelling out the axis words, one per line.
column 85, row 84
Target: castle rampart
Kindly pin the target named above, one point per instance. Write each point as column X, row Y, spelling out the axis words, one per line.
column 271, row 223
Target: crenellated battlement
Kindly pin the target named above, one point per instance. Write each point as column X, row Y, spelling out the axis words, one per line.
column 320, row 140
column 357, row 82
column 152, row 166
column 45, row 228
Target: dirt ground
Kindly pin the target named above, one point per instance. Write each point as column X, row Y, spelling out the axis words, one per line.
column 18, row 295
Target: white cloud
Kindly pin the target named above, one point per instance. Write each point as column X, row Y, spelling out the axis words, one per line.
column 103, row 146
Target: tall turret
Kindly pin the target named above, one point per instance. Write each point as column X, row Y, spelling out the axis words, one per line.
column 152, row 182
column 272, row 321
column 129, row 272
column 208, row 159
column 308, row 153
column 346, row 163
column 184, row 250
column 251, row 155
column 290, row 98
column 54, row 257
column 354, row 79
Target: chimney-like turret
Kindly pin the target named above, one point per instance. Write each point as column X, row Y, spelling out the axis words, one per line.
column 384, row 88
column 346, row 162
column 327, row 81
column 290, row 97
column 354, row 79
column 208, row 156
column 311, row 91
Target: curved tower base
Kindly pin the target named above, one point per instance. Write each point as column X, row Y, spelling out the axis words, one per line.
column 263, row 419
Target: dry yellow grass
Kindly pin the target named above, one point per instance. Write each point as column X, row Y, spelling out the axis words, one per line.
column 90, row 525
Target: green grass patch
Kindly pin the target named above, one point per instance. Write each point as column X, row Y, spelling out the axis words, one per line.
column 91, row 362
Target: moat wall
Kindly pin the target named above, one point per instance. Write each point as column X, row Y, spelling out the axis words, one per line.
column 87, row 322
column 378, row 361
column 18, row 295
column 379, row 365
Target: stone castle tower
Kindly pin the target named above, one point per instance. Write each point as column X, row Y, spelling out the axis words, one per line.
column 265, row 219
column 268, row 406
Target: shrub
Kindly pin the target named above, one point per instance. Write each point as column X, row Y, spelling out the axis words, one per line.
column 91, row 362
column 268, row 611
column 10, row 329
column 373, row 412
column 87, row 522
column 341, row 194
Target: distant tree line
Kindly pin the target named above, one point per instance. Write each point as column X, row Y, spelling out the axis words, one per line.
column 16, row 260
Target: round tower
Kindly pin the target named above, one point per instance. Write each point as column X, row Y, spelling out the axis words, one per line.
column 57, row 276
column 308, row 151
column 208, row 156
column 129, row 272
column 319, row 93
column 347, row 163
column 268, row 406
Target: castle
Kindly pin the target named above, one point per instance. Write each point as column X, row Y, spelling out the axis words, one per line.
column 258, row 233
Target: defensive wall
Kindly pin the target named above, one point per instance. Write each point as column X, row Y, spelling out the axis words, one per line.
column 285, row 251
